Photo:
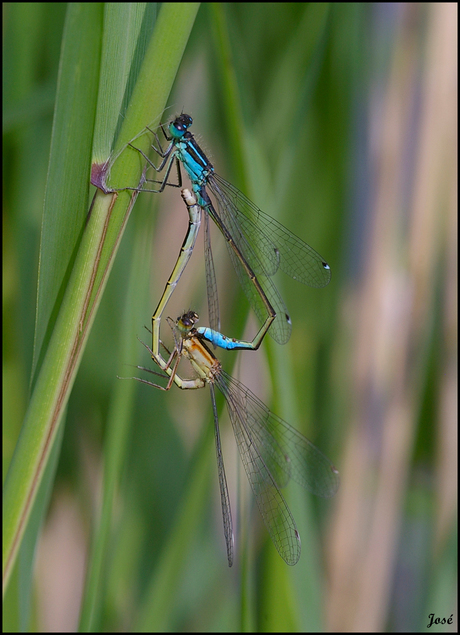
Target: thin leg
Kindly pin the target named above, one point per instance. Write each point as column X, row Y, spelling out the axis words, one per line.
column 211, row 283
column 162, row 153
column 164, row 182
column 184, row 384
column 149, row 161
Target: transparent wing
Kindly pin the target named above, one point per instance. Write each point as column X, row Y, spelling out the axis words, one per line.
column 283, row 447
column 224, row 497
column 276, row 245
column 211, row 283
column 272, row 506
column 281, row 328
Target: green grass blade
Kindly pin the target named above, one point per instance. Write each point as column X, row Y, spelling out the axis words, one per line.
column 86, row 282
column 66, row 195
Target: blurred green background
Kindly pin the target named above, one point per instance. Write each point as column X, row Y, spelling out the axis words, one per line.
column 348, row 116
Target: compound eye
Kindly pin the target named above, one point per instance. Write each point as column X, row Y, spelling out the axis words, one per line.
column 185, row 121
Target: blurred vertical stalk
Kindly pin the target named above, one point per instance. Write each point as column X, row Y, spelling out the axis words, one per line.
column 393, row 311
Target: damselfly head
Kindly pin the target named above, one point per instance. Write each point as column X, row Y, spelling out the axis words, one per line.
column 187, row 321
column 179, row 126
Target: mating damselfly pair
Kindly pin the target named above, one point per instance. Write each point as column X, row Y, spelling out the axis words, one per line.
column 272, row 451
